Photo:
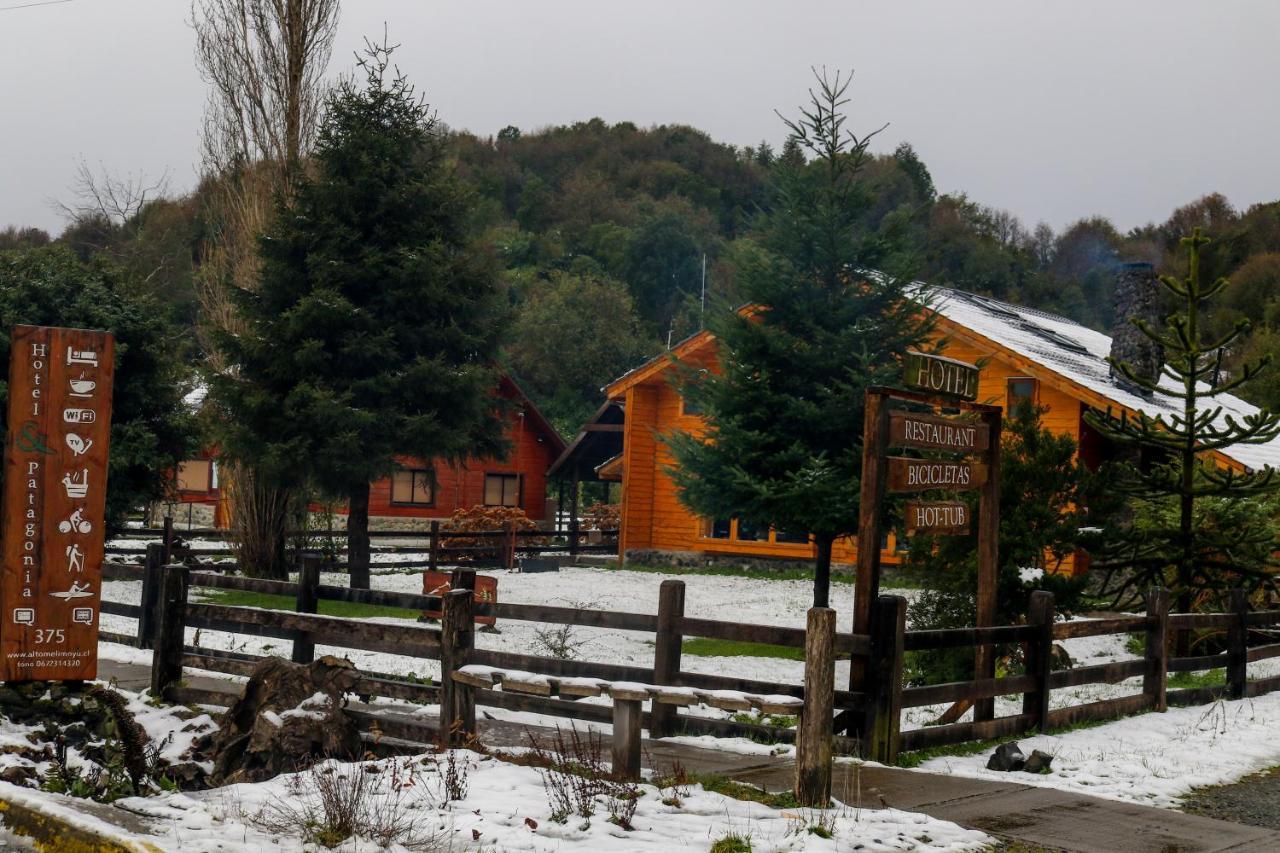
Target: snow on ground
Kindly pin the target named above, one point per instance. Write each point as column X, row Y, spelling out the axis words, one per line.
column 1151, row 759
column 506, row 808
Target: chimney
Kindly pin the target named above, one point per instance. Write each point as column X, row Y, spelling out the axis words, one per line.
column 1136, row 297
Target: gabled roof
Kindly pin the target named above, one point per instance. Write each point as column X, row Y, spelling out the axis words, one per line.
column 599, row 440
column 1074, row 357
column 533, row 416
column 1058, row 351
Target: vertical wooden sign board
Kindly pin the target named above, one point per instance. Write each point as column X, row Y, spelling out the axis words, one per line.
column 55, row 486
column 941, row 383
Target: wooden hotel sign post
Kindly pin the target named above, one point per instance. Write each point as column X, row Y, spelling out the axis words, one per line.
column 55, row 486
column 973, row 430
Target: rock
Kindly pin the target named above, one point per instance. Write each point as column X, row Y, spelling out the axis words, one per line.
column 280, row 725
column 17, row 774
column 188, row 775
column 1038, row 762
column 1008, row 756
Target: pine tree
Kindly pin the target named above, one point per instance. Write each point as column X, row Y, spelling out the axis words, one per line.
column 783, row 444
column 1170, row 544
column 1050, row 504
column 375, row 328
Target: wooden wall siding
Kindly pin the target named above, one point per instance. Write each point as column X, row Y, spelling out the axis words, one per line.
column 639, row 470
column 462, row 486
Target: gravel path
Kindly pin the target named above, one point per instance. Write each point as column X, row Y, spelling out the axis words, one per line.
column 1254, row 800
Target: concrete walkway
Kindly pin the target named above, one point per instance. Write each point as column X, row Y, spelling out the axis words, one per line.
column 1030, row 815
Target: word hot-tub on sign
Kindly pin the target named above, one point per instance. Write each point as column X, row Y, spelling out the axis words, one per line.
column 55, row 488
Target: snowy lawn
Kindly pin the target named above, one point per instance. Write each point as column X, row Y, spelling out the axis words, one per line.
column 505, row 807
column 1151, row 759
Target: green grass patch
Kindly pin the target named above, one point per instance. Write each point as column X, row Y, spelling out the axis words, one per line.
column 706, row 647
column 267, row 601
column 739, row 791
column 1194, row 680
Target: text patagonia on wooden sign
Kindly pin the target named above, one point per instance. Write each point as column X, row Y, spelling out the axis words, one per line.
column 931, row 432
column 918, row 475
column 936, row 374
column 945, row 518
column 55, row 488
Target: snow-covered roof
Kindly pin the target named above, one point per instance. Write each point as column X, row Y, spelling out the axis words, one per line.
column 1079, row 354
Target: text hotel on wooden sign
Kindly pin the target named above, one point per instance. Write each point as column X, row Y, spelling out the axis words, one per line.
column 935, row 374
column 55, row 487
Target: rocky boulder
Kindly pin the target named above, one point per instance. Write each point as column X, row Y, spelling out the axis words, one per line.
column 288, row 717
column 1008, row 756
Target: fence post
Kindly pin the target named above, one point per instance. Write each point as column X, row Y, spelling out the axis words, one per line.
column 1155, row 681
column 457, row 639
column 573, row 536
column 813, row 738
column 666, row 654
column 884, row 679
column 168, row 539
column 166, row 656
column 1040, row 617
column 433, row 556
column 304, row 648
column 148, row 607
column 1238, row 645
column 509, row 545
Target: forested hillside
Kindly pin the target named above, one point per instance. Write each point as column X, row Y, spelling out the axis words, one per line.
column 605, row 233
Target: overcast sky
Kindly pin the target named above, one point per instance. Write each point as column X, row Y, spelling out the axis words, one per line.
column 1054, row 110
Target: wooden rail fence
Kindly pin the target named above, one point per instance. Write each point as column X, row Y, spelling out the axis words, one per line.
column 556, row 687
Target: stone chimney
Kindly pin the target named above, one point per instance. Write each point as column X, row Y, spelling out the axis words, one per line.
column 1136, row 297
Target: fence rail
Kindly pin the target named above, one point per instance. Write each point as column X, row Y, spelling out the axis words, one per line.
column 870, row 713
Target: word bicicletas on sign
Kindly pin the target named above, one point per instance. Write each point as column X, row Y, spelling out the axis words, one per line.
column 917, row 475
column 930, row 432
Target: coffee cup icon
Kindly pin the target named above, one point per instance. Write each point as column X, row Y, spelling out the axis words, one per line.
column 82, row 387
column 79, row 416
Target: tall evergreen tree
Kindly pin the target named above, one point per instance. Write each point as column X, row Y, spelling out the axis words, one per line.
column 783, row 445
column 1169, row 545
column 375, row 328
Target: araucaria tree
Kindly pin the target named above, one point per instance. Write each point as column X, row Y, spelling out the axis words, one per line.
column 375, row 327
column 1188, row 532
column 783, row 412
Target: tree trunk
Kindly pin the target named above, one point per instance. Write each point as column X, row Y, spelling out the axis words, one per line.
column 822, row 568
column 358, row 536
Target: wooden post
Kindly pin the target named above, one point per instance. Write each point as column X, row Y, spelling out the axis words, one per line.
column 867, row 582
column 168, row 539
column 627, row 714
column 433, row 556
column 463, row 579
column 884, row 679
column 1039, row 654
column 666, row 654
column 814, row 737
column 457, row 639
column 573, row 536
column 509, row 545
column 304, row 649
column 1155, row 680
column 984, row 661
column 166, row 657
column 1238, row 645
column 148, row 607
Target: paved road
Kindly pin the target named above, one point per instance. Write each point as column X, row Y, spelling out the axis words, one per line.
column 1042, row 817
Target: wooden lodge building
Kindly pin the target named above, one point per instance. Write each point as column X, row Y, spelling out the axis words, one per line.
column 1058, row 363
column 427, row 489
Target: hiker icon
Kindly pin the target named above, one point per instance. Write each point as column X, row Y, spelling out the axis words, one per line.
column 75, row 524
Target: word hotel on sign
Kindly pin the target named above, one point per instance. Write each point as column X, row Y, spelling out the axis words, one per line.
column 950, row 435
column 939, row 474
column 946, row 378
column 940, row 515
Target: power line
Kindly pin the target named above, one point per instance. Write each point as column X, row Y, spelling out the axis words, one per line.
column 29, row 5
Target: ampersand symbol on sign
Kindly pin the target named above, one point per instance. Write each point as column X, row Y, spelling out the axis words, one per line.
column 30, row 440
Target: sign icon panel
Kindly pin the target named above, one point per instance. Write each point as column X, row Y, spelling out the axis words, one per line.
column 82, row 356
column 82, row 615
column 82, row 387
column 75, row 523
column 24, row 615
column 78, row 445
column 77, row 590
column 76, row 485
column 79, row 416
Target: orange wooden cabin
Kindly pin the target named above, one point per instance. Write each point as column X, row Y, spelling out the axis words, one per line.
column 1055, row 362
column 433, row 489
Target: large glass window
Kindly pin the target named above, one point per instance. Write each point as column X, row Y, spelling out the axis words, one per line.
column 412, row 487
column 502, row 490
column 1021, row 388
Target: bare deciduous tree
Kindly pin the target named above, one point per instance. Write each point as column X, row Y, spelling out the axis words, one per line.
column 264, row 61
